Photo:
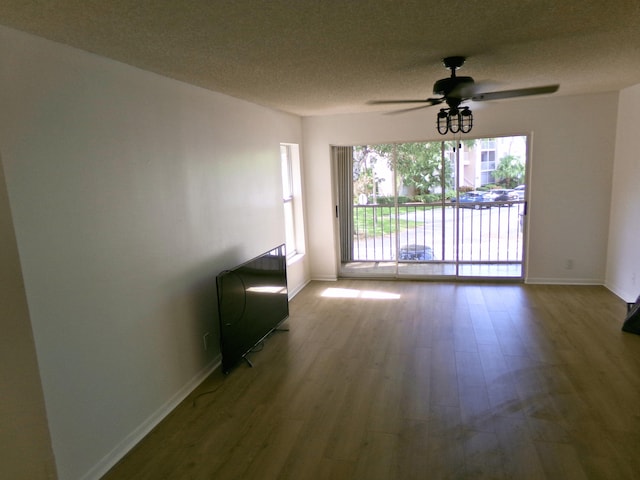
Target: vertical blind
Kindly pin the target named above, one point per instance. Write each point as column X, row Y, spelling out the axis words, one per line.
column 343, row 158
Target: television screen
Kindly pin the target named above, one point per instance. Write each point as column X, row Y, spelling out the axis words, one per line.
column 252, row 302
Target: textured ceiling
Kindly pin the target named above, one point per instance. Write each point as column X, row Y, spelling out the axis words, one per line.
column 314, row 57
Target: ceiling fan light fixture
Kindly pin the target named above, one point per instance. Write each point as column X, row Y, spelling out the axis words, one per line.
column 455, row 121
column 443, row 122
column 466, row 120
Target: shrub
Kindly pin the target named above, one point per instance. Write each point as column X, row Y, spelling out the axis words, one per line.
column 429, row 198
column 384, row 200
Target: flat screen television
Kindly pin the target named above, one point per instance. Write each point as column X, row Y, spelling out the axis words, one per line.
column 632, row 322
column 252, row 302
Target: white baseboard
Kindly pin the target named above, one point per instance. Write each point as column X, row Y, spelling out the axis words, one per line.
column 564, row 281
column 131, row 440
column 293, row 293
column 623, row 293
column 325, row 279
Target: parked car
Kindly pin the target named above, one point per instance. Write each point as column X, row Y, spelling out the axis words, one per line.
column 415, row 252
column 505, row 195
column 520, row 191
column 475, row 200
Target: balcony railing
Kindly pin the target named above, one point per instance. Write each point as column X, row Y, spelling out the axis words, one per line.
column 488, row 232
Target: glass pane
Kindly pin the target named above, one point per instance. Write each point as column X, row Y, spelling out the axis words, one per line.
column 491, row 214
column 285, row 159
column 290, row 237
column 374, row 219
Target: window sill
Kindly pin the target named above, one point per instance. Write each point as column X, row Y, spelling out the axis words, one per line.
column 294, row 259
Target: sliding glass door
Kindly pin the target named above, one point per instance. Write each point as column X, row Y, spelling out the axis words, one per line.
column 432, row 209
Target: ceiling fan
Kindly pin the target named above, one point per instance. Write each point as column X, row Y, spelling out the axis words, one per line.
column 455, row 90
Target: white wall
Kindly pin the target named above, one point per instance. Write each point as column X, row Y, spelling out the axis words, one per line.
column 129, row 192
column 570, row 185
column 24, row 433
column 623, row 260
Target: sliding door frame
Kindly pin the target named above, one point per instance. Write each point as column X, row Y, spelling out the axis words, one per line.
column 344, row 205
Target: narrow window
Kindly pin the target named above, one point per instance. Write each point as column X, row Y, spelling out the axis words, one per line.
column 292, row 199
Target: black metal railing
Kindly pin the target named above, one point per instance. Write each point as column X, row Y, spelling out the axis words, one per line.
column 487, row 232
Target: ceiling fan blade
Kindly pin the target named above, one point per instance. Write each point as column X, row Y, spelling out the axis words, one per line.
column 466, row 90
column 520, row 92
column 429, row 101
column 405, row 110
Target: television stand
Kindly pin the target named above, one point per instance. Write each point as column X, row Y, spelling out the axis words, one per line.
column 248, row 361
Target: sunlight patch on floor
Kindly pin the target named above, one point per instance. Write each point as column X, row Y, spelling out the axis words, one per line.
column 355, row 293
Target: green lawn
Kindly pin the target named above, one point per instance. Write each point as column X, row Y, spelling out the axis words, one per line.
column 380, row 219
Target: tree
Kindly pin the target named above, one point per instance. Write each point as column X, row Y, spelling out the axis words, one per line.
column 365, row 181
column 418, row 165
column 510, row 171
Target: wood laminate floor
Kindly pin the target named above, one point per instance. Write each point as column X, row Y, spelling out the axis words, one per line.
column 417, row 380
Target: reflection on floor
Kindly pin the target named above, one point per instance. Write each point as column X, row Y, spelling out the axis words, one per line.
column 430, row 270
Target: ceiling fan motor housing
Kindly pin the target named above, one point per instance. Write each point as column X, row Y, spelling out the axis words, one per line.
column 452, row 86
